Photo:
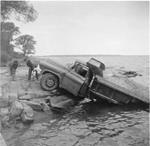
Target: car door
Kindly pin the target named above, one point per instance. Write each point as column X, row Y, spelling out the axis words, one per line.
column 73, row 81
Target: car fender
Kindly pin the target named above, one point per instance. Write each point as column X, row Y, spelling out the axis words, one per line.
column 54, row 73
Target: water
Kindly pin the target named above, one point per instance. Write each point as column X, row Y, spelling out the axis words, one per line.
column 89, row 124
column 122, row 125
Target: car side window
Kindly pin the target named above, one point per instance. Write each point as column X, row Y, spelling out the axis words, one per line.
column 81, row 70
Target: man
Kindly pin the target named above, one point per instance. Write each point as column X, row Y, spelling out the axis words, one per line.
column 13, row 67
column 32, row 68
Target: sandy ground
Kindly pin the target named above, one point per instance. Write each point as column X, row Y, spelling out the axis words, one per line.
column 85, row 125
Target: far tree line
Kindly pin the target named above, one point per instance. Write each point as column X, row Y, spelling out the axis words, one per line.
column 11, row 36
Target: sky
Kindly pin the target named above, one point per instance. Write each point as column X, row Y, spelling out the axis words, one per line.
column 89, row 28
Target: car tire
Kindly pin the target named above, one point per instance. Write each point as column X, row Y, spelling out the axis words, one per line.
column 49, row 82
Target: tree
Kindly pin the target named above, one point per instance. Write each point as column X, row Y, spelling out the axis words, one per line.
column 20, row 9
column 8, row 31
column 26, row 44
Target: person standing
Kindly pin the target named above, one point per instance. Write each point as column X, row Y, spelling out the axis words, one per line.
column 13, row 67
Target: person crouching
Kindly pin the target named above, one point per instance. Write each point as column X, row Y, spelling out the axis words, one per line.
column 31, row 66
column 34, row 70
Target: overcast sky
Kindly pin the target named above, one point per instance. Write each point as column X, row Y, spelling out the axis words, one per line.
column 76, row 28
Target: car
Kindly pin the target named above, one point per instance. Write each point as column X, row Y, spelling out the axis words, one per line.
column 84, row 80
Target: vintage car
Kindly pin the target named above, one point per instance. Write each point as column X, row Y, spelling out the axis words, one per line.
column 84, row 80
column 74, row 79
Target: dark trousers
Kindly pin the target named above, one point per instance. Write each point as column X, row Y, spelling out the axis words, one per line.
column 13, row 72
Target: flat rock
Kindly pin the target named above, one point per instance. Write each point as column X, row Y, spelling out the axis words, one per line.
column 33, row 104
column 90, row 140
column 62, row 140
column 25, row 97
column 2, row 141
column 33, row 131
column 62, row 102
column 27, row 114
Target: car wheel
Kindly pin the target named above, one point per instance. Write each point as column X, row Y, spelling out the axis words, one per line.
column 49, row 82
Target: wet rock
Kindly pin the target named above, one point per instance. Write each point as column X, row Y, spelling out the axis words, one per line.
column 19, row 126
column 79, row 131
column 62, row 140
column 2, row 141
column 4, row 102
column 45, row 107
column 90, row 140
column 109, row 142
column 16, row 109
column 61, row 102
column 33, row 142
column 4, row 112
column 27, row 114
column 12, row 97
column 5, row 121
column 34, row 131
column 40, row 94
column 52, row 121
column 35, row 105
column 25, row 97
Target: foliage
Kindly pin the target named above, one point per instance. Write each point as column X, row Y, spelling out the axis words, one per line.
column 26, row 44
column 8, row 30
column 20, row 9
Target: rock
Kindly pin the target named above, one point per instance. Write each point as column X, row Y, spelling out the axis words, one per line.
column 12, row 97
column 4, row 102
column 27, row 114
column 40, row 94
column 2, row 141
column 25, row 97
column 109, row 142
column 52, row 121
column 38, row 105
column 62, row 140
column 90, row 140
column 62, row 102
column 19, row 126
column 79, row 131
column 35, row 105
column 33, row 131
column 5, row 121
column 16, row 109
column 45, row 107
column 4, row 112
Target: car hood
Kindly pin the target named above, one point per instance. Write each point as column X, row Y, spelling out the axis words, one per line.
column 48, row 64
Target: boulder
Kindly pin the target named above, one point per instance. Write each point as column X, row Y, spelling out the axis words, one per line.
column 39, row 105
column 16, row 109
column 27, row 114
